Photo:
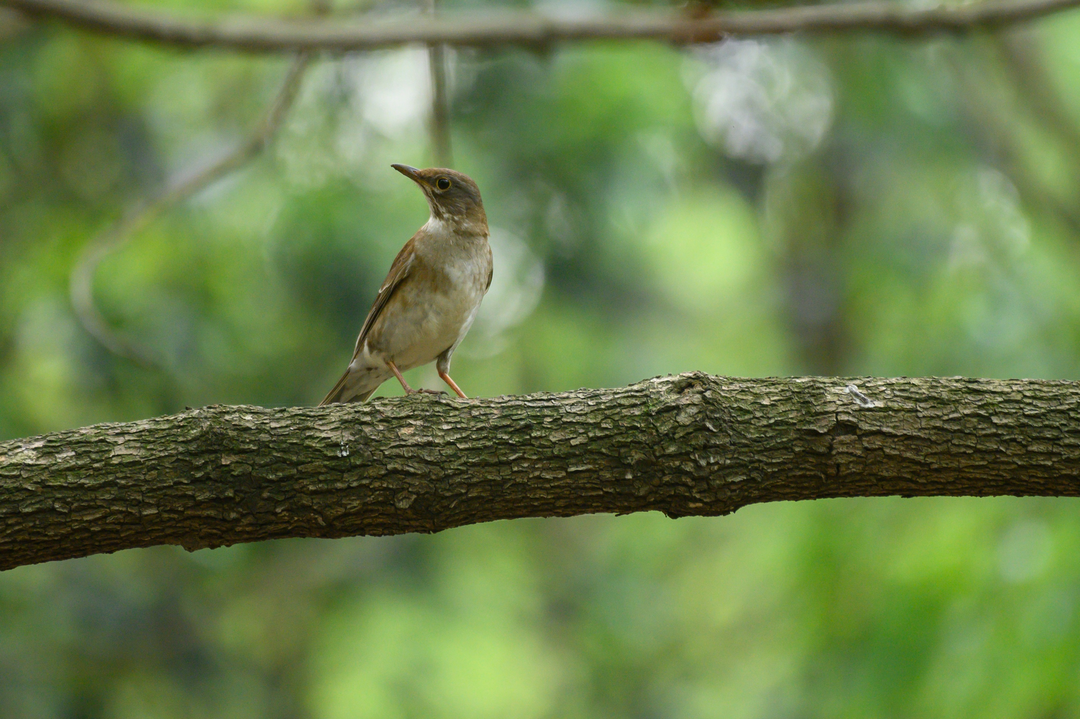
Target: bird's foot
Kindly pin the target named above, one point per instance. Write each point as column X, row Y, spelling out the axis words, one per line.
column 426, row 391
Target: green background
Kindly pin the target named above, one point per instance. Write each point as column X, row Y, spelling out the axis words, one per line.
column 854, row 205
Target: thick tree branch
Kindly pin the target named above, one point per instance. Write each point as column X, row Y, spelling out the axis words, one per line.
column 687, row 445
column 253, row 34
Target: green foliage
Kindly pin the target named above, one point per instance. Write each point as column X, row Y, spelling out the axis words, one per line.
column 854, row 205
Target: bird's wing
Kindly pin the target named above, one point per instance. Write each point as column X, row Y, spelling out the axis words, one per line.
column 398, row 272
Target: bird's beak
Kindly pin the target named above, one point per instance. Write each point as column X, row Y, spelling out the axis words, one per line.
column 410, row 172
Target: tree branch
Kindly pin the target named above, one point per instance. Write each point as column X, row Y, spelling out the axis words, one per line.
column 81, row 281
column 440, row 102
column 252, row 34
column 687, row 445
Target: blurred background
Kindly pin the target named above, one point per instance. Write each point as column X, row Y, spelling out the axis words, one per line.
column 850, row 205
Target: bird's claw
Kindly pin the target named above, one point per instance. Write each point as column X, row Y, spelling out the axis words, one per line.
column 428, row 391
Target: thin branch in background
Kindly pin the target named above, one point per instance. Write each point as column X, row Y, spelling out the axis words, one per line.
column 1032, row 82
column 81, row 286
column 1032, row 87
column 991, row 124
column 529, row 27
column 440, row 102
column 12, row 24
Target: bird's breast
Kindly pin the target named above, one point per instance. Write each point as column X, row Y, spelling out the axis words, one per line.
column 448, row 285
column 461, row 281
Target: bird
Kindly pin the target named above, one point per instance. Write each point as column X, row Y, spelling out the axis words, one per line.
column 431, row 295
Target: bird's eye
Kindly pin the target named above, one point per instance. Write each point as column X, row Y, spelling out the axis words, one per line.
column 442, row 183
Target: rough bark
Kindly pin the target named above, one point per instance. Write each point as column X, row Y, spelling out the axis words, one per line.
column 687, row 445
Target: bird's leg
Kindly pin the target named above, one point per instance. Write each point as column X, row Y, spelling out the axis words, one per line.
column 400, row 377
column 410, row 390
column 453, row 385
column 442, row 365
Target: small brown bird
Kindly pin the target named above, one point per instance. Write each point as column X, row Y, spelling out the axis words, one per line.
column 430, row 298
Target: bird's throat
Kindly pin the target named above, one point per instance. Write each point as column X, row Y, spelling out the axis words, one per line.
column 454, row 229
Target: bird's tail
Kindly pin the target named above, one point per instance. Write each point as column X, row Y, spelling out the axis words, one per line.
column 343, row 392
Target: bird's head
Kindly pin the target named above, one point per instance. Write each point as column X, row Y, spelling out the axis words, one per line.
column 452, row 196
